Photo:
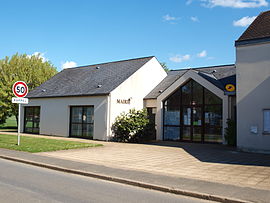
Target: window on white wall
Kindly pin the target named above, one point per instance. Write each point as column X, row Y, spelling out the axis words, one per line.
column 266, row 120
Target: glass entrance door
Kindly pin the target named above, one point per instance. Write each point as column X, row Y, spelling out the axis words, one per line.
column 192, row 123
column 193, row 113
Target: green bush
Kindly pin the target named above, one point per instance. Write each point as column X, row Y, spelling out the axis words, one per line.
column 129, row 127
column 230, row 132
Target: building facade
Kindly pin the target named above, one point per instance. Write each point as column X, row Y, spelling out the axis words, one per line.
column 253, row 83
column 193, row 105
column 84, row 101
column 189, row 105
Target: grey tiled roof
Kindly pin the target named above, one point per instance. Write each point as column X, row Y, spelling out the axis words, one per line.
column 98, row 79
column 259, row 29
column 217, row 75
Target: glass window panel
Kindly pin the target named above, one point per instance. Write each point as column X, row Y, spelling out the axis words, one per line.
column 29, row 112
column 213, row 115
column 211, row 98
column 173, row 102
column 172, row 109
column 89, row 112
column 197, row 116
column 266, row 120
column 186, row 134
column 76, row 130
column 186, row 93
column 88, row 130
column 187, row 116
column 35, row 130
column 171, row 133
column 213, row 134
column 171, row 117
column 197, row 134
column 197, row 93
column 77, row 114
column 32, row 119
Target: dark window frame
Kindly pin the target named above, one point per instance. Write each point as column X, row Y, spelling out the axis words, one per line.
column 202, row 106
column 265, row 132
column 82, row 122
column 33, row 119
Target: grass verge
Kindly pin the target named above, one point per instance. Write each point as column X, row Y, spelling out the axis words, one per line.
column 34, row 144
column 10, row 125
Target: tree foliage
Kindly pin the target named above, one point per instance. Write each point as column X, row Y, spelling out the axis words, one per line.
column 31, row 69
column 129, row 127
column 164, row 66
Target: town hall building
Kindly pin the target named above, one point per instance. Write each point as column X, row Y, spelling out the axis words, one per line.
column 188, row 105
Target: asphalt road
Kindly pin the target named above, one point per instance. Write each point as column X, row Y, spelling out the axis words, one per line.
column 25, row 183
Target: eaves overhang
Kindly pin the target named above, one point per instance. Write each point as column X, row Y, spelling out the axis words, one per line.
column 252, row 41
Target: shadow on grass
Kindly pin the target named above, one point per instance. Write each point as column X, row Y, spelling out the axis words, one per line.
column 8, row 129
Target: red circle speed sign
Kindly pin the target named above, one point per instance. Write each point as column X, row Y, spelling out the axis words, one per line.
column 20, row 89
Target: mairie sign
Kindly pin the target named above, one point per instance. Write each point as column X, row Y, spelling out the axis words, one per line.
column 19, row 100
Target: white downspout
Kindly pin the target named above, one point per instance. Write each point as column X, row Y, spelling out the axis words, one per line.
column 108, row 117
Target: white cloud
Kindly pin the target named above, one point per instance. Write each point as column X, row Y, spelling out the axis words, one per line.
column 168, row 18
column 235, row 3
column 171, row 19
column 202, row 54
column 243, row 22
column 69, row 64
column 180, row 58
column 39, row 55
column 194, row 19
column 189, row 2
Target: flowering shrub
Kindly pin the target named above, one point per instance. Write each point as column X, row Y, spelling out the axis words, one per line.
column 129, row 127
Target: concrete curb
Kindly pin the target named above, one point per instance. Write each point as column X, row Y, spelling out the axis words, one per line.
column 130, row 182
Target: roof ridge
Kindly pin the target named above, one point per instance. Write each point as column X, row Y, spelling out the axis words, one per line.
column 111, row 62
column 217, row 66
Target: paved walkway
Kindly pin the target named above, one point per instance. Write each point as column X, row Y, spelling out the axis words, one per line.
column 202, row 162
column 215, row 163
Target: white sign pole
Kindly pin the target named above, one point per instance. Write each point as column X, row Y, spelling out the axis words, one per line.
column 20, row 90
column 19, row 124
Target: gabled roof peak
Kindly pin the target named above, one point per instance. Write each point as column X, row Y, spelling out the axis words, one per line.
column 88, row 80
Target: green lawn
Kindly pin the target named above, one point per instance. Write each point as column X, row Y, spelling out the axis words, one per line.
column 10, row 125
column 34, row 144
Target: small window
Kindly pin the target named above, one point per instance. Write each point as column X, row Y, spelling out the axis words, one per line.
column 82, row 121
column 31, row 119
column 266, row 120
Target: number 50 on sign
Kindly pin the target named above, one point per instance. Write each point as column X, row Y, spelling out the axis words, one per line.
column 20, row 89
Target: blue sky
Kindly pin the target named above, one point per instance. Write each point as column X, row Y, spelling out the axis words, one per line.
column 181, row 33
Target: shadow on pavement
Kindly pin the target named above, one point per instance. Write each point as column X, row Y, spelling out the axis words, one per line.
column 216, row 153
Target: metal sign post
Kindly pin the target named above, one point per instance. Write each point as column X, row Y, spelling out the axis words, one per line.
column 20, row 90
column 19, row 124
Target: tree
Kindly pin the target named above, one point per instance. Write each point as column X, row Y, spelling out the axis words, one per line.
column 164, row 66
column 31, row 69
column 129, row 127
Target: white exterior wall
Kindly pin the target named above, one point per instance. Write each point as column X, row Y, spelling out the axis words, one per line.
column 55, row 114
column 136, row 87
column 189, row 75
column 253, row 95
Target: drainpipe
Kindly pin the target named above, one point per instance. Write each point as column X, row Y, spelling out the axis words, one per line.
column 108, row 116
